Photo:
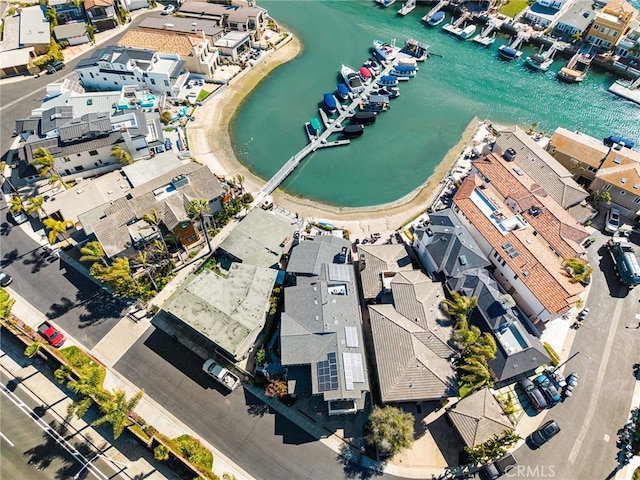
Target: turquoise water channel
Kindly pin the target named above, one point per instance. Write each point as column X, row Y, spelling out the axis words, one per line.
column 400, row 151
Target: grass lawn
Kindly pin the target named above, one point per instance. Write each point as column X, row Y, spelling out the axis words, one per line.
column 513, row 8
column 202, row 95
column 82, row 363
column 463, row 390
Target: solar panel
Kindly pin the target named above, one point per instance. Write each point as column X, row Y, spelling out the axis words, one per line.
column 339, row 272
column 353, row 369
column 351, row 334
column 328, row 373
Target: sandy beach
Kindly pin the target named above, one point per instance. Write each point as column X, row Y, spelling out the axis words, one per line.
column 210, row 143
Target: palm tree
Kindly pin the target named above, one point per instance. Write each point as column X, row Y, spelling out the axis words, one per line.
column 57, row 227
column 197, row 209
column 578, row 270
column 16, row 206
column 577, row 37
column 475, row 372
column 240, row 179
column 35, row 204
column 117, row 410
column 45, row 160
column 459, row 306
column 93, row 252
column 121, row 155
column 153, row 219
column 143, row 261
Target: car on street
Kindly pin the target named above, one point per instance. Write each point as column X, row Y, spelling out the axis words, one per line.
column 613, row 221
column 52, row 334
column 533, row 393
column 5, row 279
column 55, row 66
column 545, row 433
column 169, row 9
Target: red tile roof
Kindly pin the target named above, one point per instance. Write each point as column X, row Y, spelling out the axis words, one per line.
column 536, row 265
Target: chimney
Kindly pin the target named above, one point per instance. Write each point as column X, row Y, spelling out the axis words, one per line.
column 485, row 182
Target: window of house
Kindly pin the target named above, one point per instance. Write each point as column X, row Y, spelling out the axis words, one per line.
column 91, row 74
column 153, row 82
column 604, row 30
column 591, row 38
column 67, row 172
column 592, row 169
column 614, row 33
column 79, row 168
column 606, row 44
column 596, row 27
column 66, row 159
column 636, row 200
column 93, row 153
column 606, row 188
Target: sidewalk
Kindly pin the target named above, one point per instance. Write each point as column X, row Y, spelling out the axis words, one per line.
column 110, row 348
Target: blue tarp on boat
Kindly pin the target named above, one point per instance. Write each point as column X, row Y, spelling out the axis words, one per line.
column 438, row 16
column 507, row 52
column 405, row 68
column 330, row 102
column 343, row 91
column 611, row 139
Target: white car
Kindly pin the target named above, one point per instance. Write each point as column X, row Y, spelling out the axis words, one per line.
column 19, row 217
column 169, row 9
column 613, row 220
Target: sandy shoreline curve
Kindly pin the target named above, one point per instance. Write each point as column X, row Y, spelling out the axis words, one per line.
column 210, row 143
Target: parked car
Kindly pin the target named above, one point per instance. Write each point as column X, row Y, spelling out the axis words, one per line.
column 5, row 279
column 533, row 393
column 549, row 388
column 499, row 467
column 19, row 217
column 613, row 220
column 52, row 334
column 545, row 433
column 169, row 9
column 55, row 66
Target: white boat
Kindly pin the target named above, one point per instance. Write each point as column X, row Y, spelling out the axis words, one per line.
column 576, row 69
column 386, row 3
column 626, row 89
column 352, row 79
column 467, row 32
column 387, row 52
column 542, row 61
column 407, row 8
column 407, row 62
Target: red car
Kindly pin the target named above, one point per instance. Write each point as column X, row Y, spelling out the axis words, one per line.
column 52, row 334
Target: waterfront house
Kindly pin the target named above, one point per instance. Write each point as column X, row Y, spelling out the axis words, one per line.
column 377, row 265
column 34, row 30
column 606, row 169
column 479, row 417
column 209, row 28
column 321, row 327
column 233, row 44
column 546, row 12
column 237, row 17
column 575, row 19
column 546, row 171
column 213, row 315
column 611, row 24
column 101, row 14
column 194, row 50
column 525, row 234
column 67, row 11
column 412, row 355
column 628, row 50
column 445, row 247
column 261, row 238
column 519, row 351
column 115, row 66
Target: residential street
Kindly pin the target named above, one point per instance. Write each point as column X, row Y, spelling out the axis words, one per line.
column 586, row 446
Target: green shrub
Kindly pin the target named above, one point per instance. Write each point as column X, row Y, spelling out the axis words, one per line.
column 32, row 349
column 62, row 373
column 261, row 356
column 161, row 453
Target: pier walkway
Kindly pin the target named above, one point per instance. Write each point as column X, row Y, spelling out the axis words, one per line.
column 322, row 141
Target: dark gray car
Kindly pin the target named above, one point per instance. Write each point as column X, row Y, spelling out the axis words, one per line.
column 533, row 393
column 545, row 433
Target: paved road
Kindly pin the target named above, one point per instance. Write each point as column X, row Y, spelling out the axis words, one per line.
column 586, row 446
column 77, row 304
column 28, row 451
column 267, row 445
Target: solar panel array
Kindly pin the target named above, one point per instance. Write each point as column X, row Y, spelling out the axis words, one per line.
column 339, row 272
column 351, row 335
column 328, row 373
column 353, row 369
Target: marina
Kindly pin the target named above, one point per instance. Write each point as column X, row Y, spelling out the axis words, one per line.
column 407, row 8
column 576, row 69
column 428, row 117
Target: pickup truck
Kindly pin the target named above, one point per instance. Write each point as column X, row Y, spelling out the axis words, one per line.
column 221, row 374
column 52, row 334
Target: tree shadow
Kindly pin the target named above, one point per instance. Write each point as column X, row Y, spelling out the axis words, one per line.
column 352, row 467
column 9, row 257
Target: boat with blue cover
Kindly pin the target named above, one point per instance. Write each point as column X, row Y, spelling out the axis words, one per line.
column 613, row 139
column 313, row 129
column 388, row 81
column 508, row 53
column 404, row 71
column 342, row 91
column 330, row 104
column 436, row 19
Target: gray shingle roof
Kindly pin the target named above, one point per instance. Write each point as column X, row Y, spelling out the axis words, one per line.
column 555, row 179
column 375, row 260
column 449, row 245
column 518, row 352
column 228, row 311
column 321, row 323
column 309, row 255
column 478, row 417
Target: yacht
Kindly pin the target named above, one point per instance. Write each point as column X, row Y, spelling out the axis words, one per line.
column 467, row 32
column 352, row 79
column 385, row 51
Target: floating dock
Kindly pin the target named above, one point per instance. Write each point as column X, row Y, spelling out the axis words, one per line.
column 407, row 8
column 627, row 90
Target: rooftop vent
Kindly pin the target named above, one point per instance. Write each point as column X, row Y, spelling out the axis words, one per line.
column 180, row 181
column 509, row 155
column 534, row 211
